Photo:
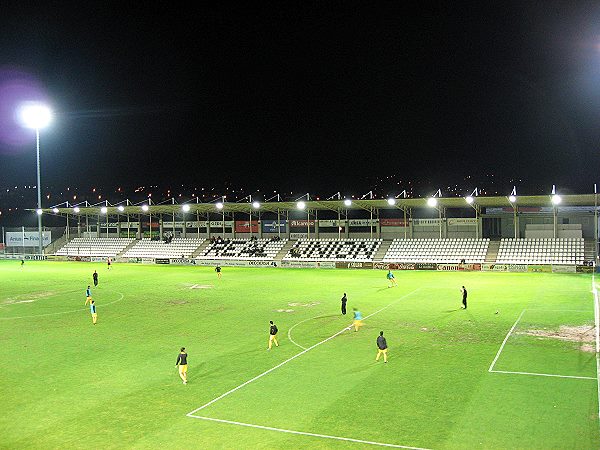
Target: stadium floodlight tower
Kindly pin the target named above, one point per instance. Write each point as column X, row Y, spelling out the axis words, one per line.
column 556, row 200
column 37, row 116
column 470, row 199
column 301, row 205
column 512, row 199
column 432, row 202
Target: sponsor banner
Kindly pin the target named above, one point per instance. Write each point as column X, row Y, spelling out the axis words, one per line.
column 427, row 222
column 585, row 269
column 362, row 222
column 116, row 224
column 246, row 226
column 221, row 262
column 183, row 261
column 262, row 263
column 147, row 260
column 459, row 267
column 354, row 265
column 522, row 209
column 517, row 267
column 308, row 264
column 272, row 226
column 393, row 222
column 130, row 260
column 394, row 266
column 25, row 257
column 162, row 261
column 298, row 236
column 79, row 258
column 56, row 258
column 331, row 223
column 495, row 267
column 563, row 268
column 539, row 268
column 465, row 221
column 301, row 223
column 27, row 238
column 426, row 266
column 98, row 259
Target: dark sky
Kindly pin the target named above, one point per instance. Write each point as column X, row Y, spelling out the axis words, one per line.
column 310, row 98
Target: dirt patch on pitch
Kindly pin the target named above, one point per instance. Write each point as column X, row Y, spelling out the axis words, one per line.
column 177, row 302
column 306, row 305
column 284, row 310
column 200, row 286
column 582, row 333
column 27, row 298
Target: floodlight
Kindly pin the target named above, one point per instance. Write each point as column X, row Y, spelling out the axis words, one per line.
column 103, row 210
column 144, row 208
column 556, row 199
column 35, row 115
column 469, row 200
column 219, row 205
column 255, row 205
column 300, row 205
column 347, row 202
column 55, row 210
column 391, row 201
column 512, row 198
column 121, row 208
column 432, row 202
column 39, row 211
column 185, row 208
column 76, row 209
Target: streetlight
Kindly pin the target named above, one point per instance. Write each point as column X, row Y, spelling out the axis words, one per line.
column 36, row 116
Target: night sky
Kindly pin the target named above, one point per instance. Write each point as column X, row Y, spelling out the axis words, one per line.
column 310, row 98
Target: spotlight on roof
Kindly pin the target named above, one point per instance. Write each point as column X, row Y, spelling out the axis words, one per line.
column 391, row 201
column 255, row 205
column 185, row 208
column 300, row 205
column 347, row 202
column 219, row 205
column 556, row 199
column 39, row 212
column 512, row 198
column 432, row 202
column 103, row 210
column 76, row 210
column 55, row 210
column 35, row 115
column 144, row 208
column 469, row 200
column 121, row 208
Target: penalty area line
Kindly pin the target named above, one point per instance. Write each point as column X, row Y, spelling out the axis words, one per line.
column 543, row 374
column 304, row 433
column 266, row 372
column 504, row 342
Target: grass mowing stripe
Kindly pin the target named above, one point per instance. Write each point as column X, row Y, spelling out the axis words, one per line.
column 504, row 342
column 326, row 436
column 292, row 358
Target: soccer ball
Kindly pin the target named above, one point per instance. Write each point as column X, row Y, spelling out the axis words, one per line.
column 496, row 312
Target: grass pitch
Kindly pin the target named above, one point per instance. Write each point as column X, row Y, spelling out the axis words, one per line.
column 66, row 383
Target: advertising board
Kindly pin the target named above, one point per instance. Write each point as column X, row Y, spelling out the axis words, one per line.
column 162, row 261
column 246, row 226
column 393, row 222
column 301, row 223
column 27, row 238
column 585, row 269
column 426, row 266
column 353, row 265
column 394, row 266
column 495, row 267
column 272, row 226
column 539, row 268
column 462, row 221
column 517, row 267
column 563, row 268
column 183, row 262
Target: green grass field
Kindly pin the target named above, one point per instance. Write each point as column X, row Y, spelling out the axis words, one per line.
column 66, row 383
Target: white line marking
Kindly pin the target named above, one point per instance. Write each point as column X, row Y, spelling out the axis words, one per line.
column 292, row 358
column 559, row 310
column 294, row 326
column 63, row 312
column 505, row 339
column 543, row 374
column 326, row 436
column 596, row 313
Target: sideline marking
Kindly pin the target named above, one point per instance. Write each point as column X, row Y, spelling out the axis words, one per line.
column 596, row 313
column 543, row 374
column 63, row 312
column 283, row 430
column 292, row 358
column 504, row 342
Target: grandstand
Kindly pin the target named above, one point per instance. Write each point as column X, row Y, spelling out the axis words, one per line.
column 541, row 251
column 94, row 247
column 245, row 249
column 334, row 250
column 437, row 250
column 177, row 248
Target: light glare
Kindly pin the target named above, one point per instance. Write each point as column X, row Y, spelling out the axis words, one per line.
column 35, row 115
column 347, row 202
column 185, row 208
column 391, row 201
column 144, row 208
column 121, row 208
column 432, row 202
column 38, row 212
column 512, row 198
column 55, row 210
column 76, row 209
column 103, row 210
column 255, row 205
column 556, row 199
column 470, row 200
column 300, row 205
column 219, row 205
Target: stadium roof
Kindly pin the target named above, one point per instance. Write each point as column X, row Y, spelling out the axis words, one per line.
column 331, row 205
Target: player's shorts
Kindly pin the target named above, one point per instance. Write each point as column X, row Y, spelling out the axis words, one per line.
column 272, row 336
column 88, row 299
column 358, row 323
column 382, row 351
column 183, row 368
column 95, row 315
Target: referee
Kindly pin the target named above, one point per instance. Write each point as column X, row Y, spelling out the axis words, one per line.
column 382, row 347
column 182, row 363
